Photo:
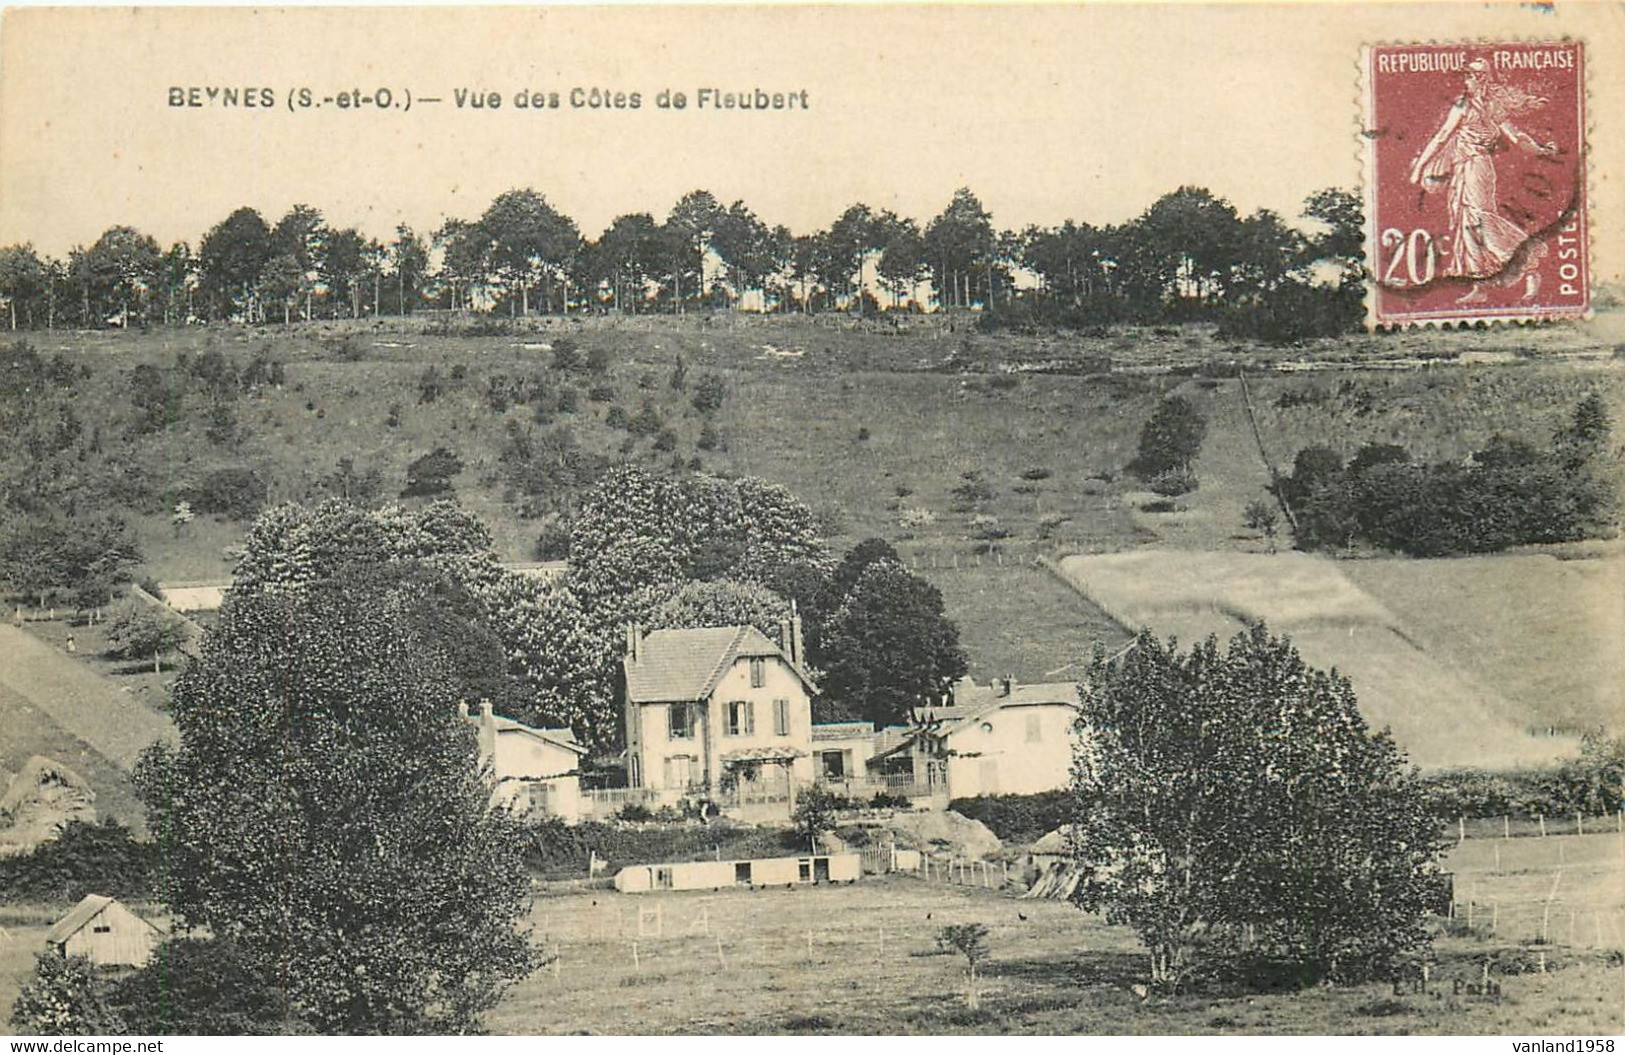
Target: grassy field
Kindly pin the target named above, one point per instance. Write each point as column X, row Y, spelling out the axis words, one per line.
column 862, row 959
column 904, row 416
column 1447, row 704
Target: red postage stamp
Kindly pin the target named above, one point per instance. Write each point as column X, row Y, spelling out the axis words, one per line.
column 1475, row 182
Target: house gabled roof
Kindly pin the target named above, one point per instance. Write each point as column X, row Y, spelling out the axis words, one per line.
column 676, row 666
column 563, row 738
column 975, row 702
column 80, row 916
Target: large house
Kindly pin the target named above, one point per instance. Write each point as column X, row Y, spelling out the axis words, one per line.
column 534, row 772
column 1004, row 738
column 719, row 714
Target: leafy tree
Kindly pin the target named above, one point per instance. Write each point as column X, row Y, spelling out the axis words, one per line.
column 22, row 282
column 814, row 814
column 123, row 268
column 685, row 240
column 1170, row 440
column 80, row 559
column 140, row 631
column 959, row 245
column 1219, row 790
column 531, row 242
column 324, row 810
column 65, row 997
column 204, row 987
column 889, row 649
column 715, row 604
column 231, row 258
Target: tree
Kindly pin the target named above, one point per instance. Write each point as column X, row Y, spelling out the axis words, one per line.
column 714, row 604
column 1170, row 440
column 889, row 650
column 959, row 245
column 1221, row 791
column 325, row 812
column 814, row 815
column 686, row 239
column 969, row 940
column 123, row 269
column 65, row 997
column 531, row 242
column 409, row 259
column 139, row 631
column 231, row 258
column 22, row 281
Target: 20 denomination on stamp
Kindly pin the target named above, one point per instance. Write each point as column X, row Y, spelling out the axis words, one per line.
column 1475, row 182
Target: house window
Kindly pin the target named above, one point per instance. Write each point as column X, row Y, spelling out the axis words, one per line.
column 662, row 878
column 781, row 717
column 833, row 764
column 680, row 721
column 679, row 771
column 101, row 928
column 741, row 718
column 1035, row 729
column 758, row 672
column 540, row 795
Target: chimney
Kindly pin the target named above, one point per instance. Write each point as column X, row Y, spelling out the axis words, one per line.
column 1008, row 686
column 634, row 642
column 785, row 644
column 462, row 709
column 488, row 731
column 797, row 659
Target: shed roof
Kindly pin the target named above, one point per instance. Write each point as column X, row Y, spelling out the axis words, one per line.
column 80, row 916
column 675, row 666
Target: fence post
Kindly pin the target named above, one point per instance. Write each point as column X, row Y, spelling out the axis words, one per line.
column 1506, row 827
column 1461, row 830
column 1579, row 824
column 1542, row 819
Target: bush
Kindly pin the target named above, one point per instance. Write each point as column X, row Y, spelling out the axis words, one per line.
column 236, row 492
column 432, row 473
column 1018, row 818
column 1173, row 482
column 66, row 997
column 710, row 392
column 98, row 858
column 140, row 631
column 1170, row 440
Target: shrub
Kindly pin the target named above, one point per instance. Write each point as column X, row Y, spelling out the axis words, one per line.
column 601, row 394
column 99, row 858
column 710, row 392
column 1035, row 473
column 140, row 631
column 1170, row 439
column 237, row 492
column 566, row 354
column 1173, row 482
column 1018, row 818
column 432, row 473
column 66, row 997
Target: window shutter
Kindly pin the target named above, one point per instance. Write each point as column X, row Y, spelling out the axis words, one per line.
column 781, row 717
column 750, row 717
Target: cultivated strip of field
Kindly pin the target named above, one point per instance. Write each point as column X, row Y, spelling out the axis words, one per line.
column 1545, row 632
column 1442, row 714
column 75, row 698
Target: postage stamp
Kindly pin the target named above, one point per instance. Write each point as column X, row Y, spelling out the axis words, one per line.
column 1475, row 182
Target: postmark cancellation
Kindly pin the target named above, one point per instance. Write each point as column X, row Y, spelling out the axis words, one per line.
column 1475, row 182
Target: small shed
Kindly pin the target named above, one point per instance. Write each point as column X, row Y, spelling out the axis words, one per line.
column 104, row 932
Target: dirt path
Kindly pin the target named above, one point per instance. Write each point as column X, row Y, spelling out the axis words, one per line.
column 80, row 701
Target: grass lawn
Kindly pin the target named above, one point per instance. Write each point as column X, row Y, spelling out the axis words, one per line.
column 862, row 960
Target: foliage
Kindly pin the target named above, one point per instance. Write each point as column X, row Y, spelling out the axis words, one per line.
column 138, row 630
column 1219, row 790
column 970, row 940
column 98, row 858
column 65, row 997
column 814, row 813
column 1019, row 818
column 325, row 812
column 1592, row 782
column 432, row 473
column 235, row 491
column 205, row 987
column 78, row 559
column 720, row 603
column 889, row 649
column 1511, row 493
column 1170, row 440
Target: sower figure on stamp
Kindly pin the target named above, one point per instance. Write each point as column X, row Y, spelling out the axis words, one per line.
column 1483, row 242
